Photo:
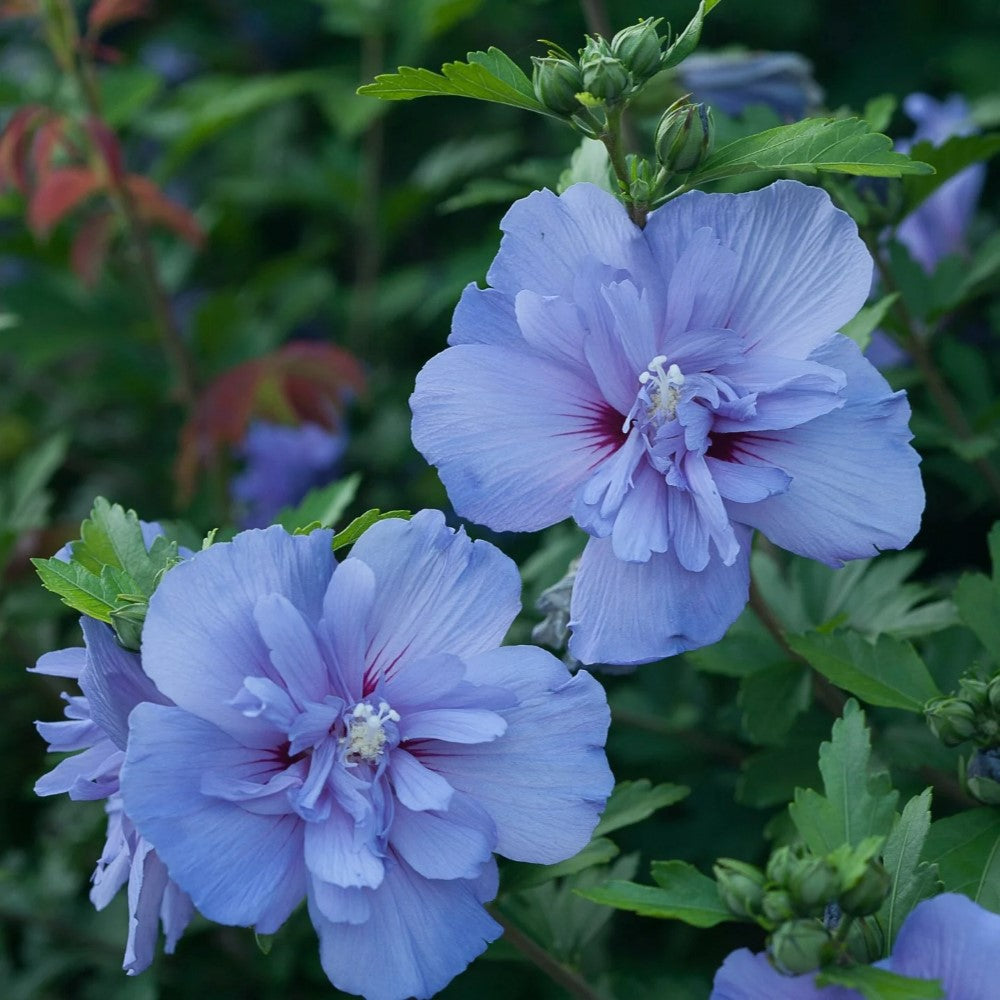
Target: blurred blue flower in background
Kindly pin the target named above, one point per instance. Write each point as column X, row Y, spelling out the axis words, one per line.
column 734, row 81
column 948, row 938
column 938, row 226
column 282, row 463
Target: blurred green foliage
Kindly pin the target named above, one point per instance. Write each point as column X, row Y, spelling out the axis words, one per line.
column 346, row 220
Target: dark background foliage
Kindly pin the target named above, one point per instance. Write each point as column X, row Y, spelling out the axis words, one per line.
column 338, row 219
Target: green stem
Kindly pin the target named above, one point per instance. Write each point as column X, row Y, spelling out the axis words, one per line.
column 560, row 973
column 612, row 139
column 829, row 696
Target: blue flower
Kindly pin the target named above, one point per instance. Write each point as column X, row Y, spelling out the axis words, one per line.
column 113, row 683
column 283, row 463
column 733, row 81
column 948, row 938
column 353, row 734
column 671, row 388
column 937, row 227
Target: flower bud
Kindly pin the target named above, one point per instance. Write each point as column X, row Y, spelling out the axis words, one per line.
column 983, row 776
column 812, row 883
column 993, row 693
column 604, row 77
column 779, row 866
column 557, row 82
column 974, row 691
column 799, row 946
column 868, row 893
column 777, row 906
column 127, row 621
column 639, row 48
column 952, row 720
column 741, row 886
column 684, row 136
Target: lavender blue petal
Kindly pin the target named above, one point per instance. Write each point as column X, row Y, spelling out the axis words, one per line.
column 637, row 612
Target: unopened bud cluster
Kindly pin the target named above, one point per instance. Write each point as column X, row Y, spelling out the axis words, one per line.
column 605, row 73
column 684, row 136
column 801, row 898
column 971, row 714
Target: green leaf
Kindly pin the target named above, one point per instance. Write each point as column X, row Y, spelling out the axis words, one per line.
column 772, row 699
column 84, row 591
column 681, row 893
column 321, row 507
column 859, row 800
column 487, row 76
column 977, row 598
column 912, row 880
column 265, row 942
column 589, row 164
column 633, row 801
column 948, row 159
column 879, row 110
column 868, row 319
column 687, row 40
column 523, row 876
column 888, row 673
column 966, row 848
column 350, row 534
column 842, row 145
column 880, row 984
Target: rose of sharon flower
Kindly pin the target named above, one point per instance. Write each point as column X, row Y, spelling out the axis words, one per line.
column 948, row 938
column 671, row 388
column 283, row 463
column 354, row 734
column 113, row 683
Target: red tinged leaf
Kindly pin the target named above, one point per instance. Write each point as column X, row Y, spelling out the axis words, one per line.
column 18, row 8
column 107, row 143
column 154, row 206
column 15, row 146
column 49, row 136
column 105, row 13
column 59, row 192
column 90, row 247
column 301, row 382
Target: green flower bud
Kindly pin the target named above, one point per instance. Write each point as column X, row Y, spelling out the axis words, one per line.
column 975, row 691
column 779, row 866
column 952, row 720
column 812, row 883
column 127, row 621
column 799, row 946
column 639, row 48
column 741, row 886
column 777, row 906
column 993, row 693
column 868, row 893
column 684, row 136
column 557, row 82
column 604, row 76
column 983, row 776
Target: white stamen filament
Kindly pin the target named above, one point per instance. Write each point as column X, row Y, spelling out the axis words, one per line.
column 665, row 393
column 366, row 737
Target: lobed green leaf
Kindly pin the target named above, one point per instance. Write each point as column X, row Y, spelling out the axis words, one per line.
column 859, row 802
column 633, row 801
column 966, row 849
column 350, row 534
column 888, row 673
column 816, row 144
column 880, row 984
column 682, row 893
column 487, row 76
